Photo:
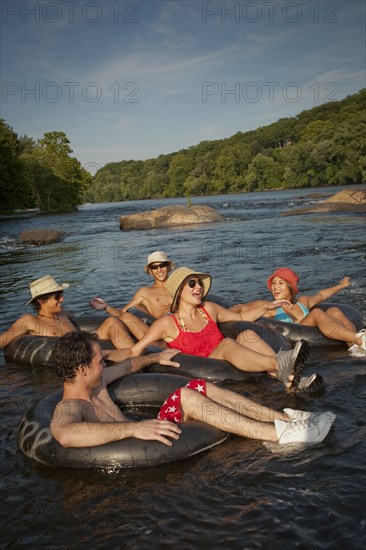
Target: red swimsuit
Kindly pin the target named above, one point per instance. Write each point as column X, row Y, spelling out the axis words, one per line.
column 200, row 343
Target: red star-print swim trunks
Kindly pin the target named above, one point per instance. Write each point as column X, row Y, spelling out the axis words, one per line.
column 171, row 410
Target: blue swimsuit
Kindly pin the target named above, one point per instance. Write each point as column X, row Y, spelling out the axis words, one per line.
column 281, row 315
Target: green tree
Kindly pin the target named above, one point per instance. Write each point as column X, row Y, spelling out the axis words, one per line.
column 59, row 180
column 264, row 172
column 179, row 169
column 197, row 182
column 15, row 191
column 230, row 168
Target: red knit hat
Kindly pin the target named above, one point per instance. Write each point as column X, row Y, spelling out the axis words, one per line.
column 287, row 274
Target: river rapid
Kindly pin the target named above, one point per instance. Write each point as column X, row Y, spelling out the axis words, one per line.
column 241, row 494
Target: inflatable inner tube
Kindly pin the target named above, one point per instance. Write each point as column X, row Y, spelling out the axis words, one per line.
column 143, row 315
column 294, row 332
column 216, row 370
column 138, row 390
column 37, row 350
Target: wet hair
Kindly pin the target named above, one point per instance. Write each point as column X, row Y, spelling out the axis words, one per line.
column 72, row 351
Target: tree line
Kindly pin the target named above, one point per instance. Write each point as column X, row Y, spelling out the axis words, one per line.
column 39, row 173
column 322, row 146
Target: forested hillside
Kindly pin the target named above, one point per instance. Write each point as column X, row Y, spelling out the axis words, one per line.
column 325, row 145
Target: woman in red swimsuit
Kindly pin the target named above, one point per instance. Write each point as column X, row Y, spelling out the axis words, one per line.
column 192, row 328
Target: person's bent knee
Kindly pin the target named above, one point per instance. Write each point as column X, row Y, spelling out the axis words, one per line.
column 109, row 323
column 316, row 314
column 126, row 316
column 226, row 342
column 187, row 396
column 248, row 336
column 334, row 312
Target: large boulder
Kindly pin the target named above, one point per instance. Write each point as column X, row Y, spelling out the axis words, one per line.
column 348, row 200
column 168, row 216
column 41, row 236
column 349, row 196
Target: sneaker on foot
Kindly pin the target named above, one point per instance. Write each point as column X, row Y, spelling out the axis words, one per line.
column 292, row 362
column 296, row 415
column 359, row 351
column 310, row 430
column 356, row 351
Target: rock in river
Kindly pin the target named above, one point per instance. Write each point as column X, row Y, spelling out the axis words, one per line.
column 41, row 236
column 170, row 215
column 348, row 200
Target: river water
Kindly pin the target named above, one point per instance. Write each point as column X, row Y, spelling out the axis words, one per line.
column 241, row 494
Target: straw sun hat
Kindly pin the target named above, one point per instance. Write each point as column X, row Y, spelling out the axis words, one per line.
column 178, row 277
column 45, row 285
column 155, row 257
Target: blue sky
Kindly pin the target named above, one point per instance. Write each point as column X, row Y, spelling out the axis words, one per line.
column 135, row 79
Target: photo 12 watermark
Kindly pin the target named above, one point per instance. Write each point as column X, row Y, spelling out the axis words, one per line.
column 70, row 12
column 251, row 254
column 253, row 92
column 270, row 11
column 69, row 92
column 117, row 251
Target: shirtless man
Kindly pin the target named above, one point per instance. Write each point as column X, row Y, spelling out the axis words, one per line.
column 154, row 299
column 51, row 319
column 86, row 415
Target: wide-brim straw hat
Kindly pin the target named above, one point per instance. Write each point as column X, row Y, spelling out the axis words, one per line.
column 45, row 285
column 155, row 257
column 178, row 277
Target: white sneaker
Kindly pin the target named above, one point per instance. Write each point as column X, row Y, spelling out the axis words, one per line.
column 296, row 415
column 356, row 351
column 311, row 430
column 359, row 351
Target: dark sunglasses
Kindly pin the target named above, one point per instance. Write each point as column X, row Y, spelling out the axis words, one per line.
column 193, row 282
column 56, row 295
column 154, row 267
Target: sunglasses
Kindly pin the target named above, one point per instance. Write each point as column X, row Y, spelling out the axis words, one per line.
column 154, row 267
column 57, row 295
column 193, row 282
